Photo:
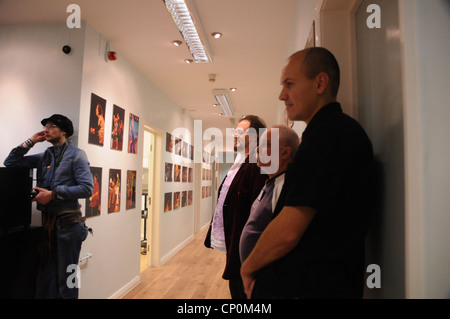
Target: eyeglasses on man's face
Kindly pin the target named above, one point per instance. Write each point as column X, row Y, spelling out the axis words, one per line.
column 49, row 126
column 239, row 132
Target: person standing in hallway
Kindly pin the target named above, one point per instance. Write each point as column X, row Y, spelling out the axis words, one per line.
column 63, row 176
column 236, row 194
column 285, row 141
column 314, row 246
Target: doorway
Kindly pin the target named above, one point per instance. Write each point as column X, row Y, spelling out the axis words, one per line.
column 150, row 199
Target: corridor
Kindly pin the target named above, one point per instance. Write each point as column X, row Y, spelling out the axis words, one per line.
column 195, row 272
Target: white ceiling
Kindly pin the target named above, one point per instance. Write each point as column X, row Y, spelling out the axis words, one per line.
column 249, row 56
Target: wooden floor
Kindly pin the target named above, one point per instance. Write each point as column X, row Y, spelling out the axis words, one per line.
column 193, row 273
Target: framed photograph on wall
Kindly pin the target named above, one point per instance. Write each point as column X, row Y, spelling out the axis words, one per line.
column 185, row 150
column 189, row 198
column 184, row 174
column 183, row 198
column 176, row 173
column 167, row 202
column 133, row 132
column 169, row 143
column 176, row 200
column 177, row 147
column 118, row 119
column 97, row 120
column 168, row 172
column 93, row 203
column 131, row 190
column 114, row 190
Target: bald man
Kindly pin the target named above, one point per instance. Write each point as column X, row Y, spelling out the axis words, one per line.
column 314, row 246
column 276, row 151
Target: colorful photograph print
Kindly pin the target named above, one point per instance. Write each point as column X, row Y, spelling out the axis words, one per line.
column 176, row 200
column 168, row 172
column 97, row 120
column 189, row 198
column 184, row 199
column 118, row 119
column 169, row 143
column 167, row 202
column 176, row 173
column 184, row 174
column 177, row 146
column 133, row 132
column 93, row 203
column 114, row 190
column 131, row 190
column 185, row 150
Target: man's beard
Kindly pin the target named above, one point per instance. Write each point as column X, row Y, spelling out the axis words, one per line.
column 54, row 140
column 238, row 147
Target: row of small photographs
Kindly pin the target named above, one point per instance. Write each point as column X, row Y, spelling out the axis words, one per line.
column 97, row 126
column 206, row 191
column 182, row 173
column 180, row 199
column 179, row 147
column 206, row 174
column 93, row 203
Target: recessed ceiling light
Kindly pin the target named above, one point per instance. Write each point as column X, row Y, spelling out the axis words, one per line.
column 177, row 43
column 233, row 89
column 216, row 35
column 215, row 105
column 189, row 61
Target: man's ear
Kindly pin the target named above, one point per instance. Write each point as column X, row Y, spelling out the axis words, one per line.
column 322, row 81
column 286, row 152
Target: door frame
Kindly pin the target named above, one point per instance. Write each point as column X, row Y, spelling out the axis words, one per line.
column 154, row 223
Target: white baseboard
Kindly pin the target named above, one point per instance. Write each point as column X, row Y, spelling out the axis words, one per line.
column 176, row 249
column 125, row 289
column 205, row 226
column 136, row 280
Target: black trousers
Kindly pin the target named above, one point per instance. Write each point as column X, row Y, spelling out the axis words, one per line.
column 237, row 289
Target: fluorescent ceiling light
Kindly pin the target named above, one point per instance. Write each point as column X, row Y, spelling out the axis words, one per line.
column 185, row 17
column 224, row 101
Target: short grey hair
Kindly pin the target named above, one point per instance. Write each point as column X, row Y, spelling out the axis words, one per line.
column 288, row 137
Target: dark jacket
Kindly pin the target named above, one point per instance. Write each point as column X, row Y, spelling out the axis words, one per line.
column 243, row 191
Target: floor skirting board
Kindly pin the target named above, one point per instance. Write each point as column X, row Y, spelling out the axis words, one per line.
column 174, row 251
column 127, row 288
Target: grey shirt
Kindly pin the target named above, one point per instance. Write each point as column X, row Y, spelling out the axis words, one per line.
column 260, row 215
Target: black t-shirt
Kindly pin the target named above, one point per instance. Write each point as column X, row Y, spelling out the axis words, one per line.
column 332, row 173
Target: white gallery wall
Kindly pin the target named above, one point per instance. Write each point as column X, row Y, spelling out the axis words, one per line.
column 426, row 49
column 37, row 80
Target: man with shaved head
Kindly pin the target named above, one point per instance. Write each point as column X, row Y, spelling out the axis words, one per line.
column 314, row 245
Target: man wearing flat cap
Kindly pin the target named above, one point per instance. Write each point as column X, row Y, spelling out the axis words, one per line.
column 63, row 176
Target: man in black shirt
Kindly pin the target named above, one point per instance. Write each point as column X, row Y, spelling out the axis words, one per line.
column 314, row 246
